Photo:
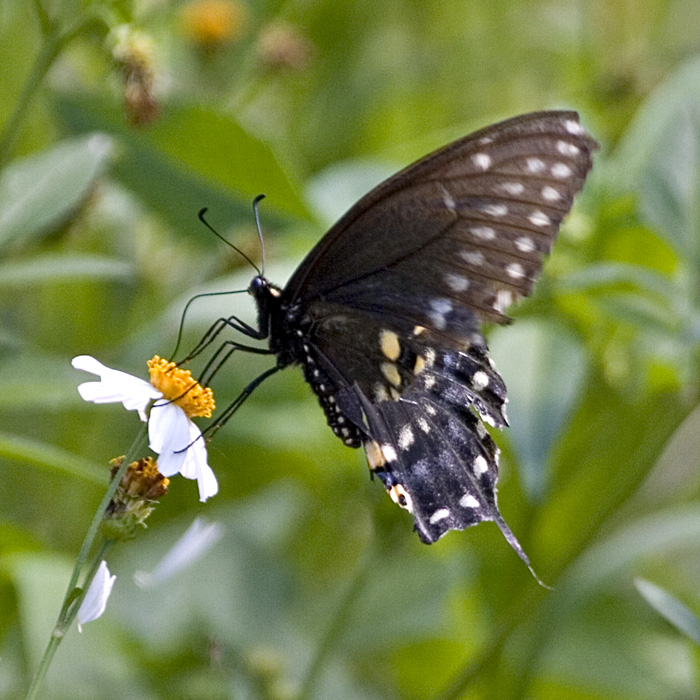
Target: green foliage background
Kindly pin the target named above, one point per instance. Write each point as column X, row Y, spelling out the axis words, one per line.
column 319, row 589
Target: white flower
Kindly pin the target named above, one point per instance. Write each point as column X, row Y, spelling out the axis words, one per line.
column 172, row 434
column 95, row 600
column 180, row 446
column 200, row 537
column 115, row 386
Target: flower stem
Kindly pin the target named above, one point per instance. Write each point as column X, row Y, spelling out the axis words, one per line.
column 74, row 595
column 53, row 43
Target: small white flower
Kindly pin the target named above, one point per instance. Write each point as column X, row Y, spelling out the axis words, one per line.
column 95, row 600
column 115, row 386
column 180, row 446
column 200, row 537
column 172, row 434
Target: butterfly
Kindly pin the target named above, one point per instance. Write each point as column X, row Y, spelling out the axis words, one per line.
column 384, row 314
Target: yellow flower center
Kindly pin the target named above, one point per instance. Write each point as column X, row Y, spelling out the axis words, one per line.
column 179, row 386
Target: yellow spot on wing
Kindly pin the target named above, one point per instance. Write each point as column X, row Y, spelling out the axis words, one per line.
column 389, row 343
column 391, row 372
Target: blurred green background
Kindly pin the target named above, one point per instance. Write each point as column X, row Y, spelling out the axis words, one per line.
column 120, row 120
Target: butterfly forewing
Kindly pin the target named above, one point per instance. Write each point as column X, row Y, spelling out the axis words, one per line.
column 384, row 314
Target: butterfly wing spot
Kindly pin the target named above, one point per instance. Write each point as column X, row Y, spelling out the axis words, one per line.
column 389, row 453
column 418, row 330
column 457, row 283
column 401, row 497
column 539, row 218
column 480, row 380
column 496, row 210
column 535, row 165
column 561, row 171
column 448, row 199
column 381, row 393
column 391, row 372
column 473, row 257
column 423, row 425
column 515, row 270
column 504, row 298
column 567, row 149
column 481, row 466
column 482, row 160
column 573, row 127
column 438, row 515
column 513, row 188
column 485, row 233
column 468, row 501
column 406, row 437
column 375, row 457
column 439, row 309
column 525, row 244
column 550, row 194
column 389, row 344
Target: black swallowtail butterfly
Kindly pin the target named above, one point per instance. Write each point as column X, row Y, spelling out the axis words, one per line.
column 384, row 313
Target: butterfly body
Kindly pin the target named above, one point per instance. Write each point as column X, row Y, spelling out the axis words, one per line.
column 384, row 314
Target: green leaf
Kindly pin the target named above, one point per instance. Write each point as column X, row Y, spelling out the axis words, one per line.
column 669, row 607
column 659, row 158
column 193, row 156
column 543, row 368
column 39, row 192
column 54, row 267
column 50, row 458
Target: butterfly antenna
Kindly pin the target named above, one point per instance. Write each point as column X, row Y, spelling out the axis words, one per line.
column 201, row 214
column 258, row 199
column 187, row 306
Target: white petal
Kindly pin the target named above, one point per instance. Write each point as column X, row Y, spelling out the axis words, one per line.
column 168, row 434
column 200, row 537
column 180, row 446
column 197, row 467
column 95, row 600
column 115, row 386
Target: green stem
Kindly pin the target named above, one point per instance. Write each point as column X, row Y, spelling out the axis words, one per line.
column 74, row 596
column 53, row 44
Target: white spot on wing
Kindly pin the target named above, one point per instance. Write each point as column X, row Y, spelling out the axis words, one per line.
column 448, row 199
column 561, row 171
column 473, row 257
column 440, row 307
column 550, row 194
column 573, row 127
column 495, row 209
column 513, row 188
column 389, row 453
column 457, row 283
column 486, row 233
column 515, row 270
column 439, row 515
column 468, row 501
column 481, row 466
column 535, row 165
column 525, row 244
column 423, row 425
column 482, row 160
column 539, row 218
column 406, row 437
column 567, row 149
column 480, row 380
column 504, row 298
